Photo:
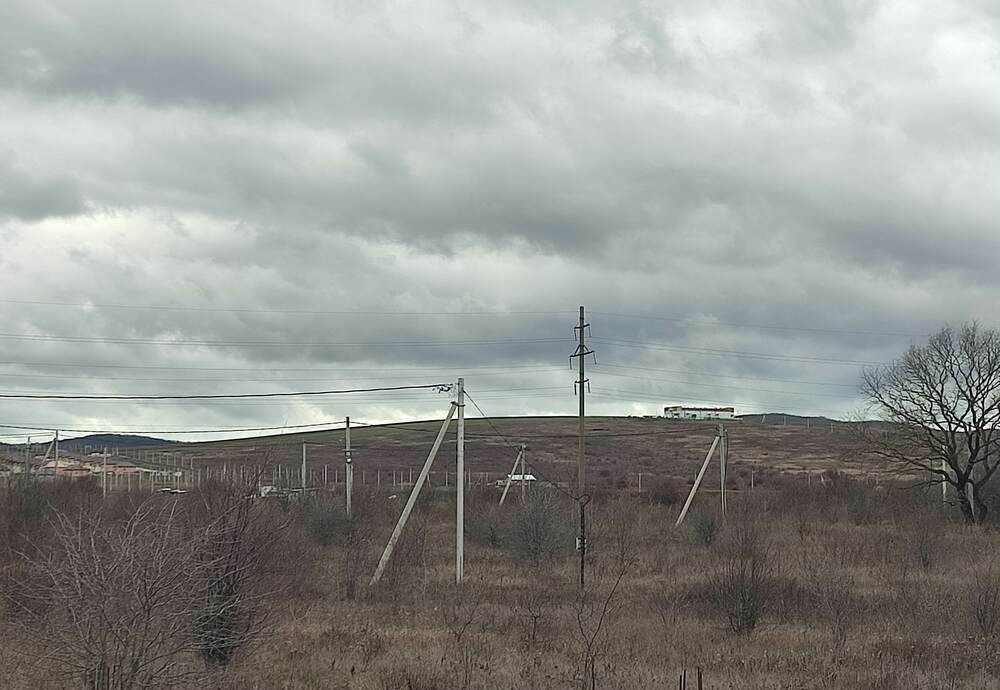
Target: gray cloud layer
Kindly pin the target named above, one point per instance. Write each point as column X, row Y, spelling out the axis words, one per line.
column 820, row 165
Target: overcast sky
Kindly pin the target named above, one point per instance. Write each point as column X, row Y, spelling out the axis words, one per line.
column 810, row 182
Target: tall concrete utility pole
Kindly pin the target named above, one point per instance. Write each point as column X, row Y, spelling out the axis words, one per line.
column 303, row 467
column 581, row 383
column 460, row 486
column 723, row 460
column 348, row 467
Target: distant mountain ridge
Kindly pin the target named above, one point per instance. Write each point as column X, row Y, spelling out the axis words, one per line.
column 97, row 441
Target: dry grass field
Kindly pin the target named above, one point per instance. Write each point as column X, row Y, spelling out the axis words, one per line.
column 618, row 449
column 844, row 582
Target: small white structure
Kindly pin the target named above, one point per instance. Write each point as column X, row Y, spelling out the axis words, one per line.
column 685, row 412
column 515, row 478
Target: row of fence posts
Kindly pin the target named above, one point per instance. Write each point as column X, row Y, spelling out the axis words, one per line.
column 281, row 476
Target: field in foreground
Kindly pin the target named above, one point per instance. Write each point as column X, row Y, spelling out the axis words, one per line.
column 838, row 584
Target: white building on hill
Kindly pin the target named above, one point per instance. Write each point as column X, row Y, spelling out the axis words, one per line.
column 685, row 412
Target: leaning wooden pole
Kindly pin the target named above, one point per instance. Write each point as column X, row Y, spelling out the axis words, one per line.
column 697, row 482
column 506, row 486
column 411, row 501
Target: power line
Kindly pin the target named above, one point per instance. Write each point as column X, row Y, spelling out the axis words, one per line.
column 49, row 396
column 735, row 353
column 510, row 445
column 274, row 343
column 604, row 365
column 631, row 396
column 490, row 313
column 254, row 310
column 79, row 365
column 804, row 329
column 267, row 403
column 738, row 388
column 202, row 379
column 43, row 427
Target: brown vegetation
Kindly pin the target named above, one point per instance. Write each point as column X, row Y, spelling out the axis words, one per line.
column 839, row 584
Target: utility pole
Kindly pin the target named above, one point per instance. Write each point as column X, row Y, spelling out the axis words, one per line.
column 303, row 468
column 581, row 354
column 723, row 460
column 523, row 479
column 460, row 486
column 348, row 467
column 56, row 442
column 104, row 474
column 411, row 501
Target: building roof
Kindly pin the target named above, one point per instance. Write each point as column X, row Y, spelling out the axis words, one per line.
column 700, row 409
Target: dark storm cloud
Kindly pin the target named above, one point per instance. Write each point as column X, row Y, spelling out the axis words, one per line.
column 727, row 164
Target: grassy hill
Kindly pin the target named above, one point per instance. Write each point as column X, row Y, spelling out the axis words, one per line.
column 618, row 448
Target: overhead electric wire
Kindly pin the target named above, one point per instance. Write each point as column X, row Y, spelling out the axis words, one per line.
column 49, row 396
column 275, row 343
column 711, row 323
column 235, row 404
column 700, row 322
column 604, row 365
column 306, row 312
column 738, row 388
column 43, row 427
column 78, row 365
column 729, row 353
column 523, row 453
column 631, row 396
column 201, row 379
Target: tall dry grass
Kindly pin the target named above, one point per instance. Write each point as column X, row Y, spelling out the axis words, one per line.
column 833, row 584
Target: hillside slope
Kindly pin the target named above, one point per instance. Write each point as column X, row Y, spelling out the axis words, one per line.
column 618, row 448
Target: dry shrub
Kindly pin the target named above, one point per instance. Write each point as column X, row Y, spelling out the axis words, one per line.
column 26, row 505
column 113, row 604
column 540, row 530
column 839, row 606
column 744, row 585
column 665, row 491
column 412, row 677
column 704, row 527
column 128, row 594
column 487, row 523
column 984, row 602
column 238, row 566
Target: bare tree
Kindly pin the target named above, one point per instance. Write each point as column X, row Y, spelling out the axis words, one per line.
column 110, row 604
column 132, row 600
column 942, row 401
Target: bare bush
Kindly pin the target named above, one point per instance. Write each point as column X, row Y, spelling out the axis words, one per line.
column 984, row 602
column 595, row 609
column 540, row 530
column 665, row 491
column 129, row 595
column 838, row 604
column 743, row 587
column 235, row 554
column 704, row 527
column 111, row 604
